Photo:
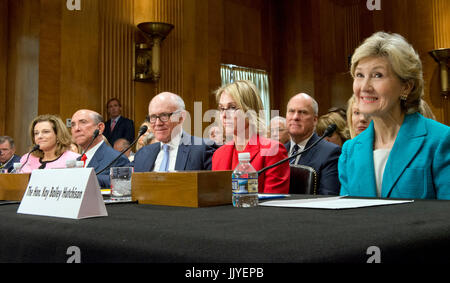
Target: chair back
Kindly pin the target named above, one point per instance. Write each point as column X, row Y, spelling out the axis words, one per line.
column 303, row 180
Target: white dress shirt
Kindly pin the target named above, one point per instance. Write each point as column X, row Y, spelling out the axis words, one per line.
column 380, row 158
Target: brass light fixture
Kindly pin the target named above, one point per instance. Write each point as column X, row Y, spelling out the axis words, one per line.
column 147, row 56
column 442, row 57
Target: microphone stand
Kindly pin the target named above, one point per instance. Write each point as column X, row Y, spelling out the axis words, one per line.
column 142, row 131
column 36, row 147
column 94, row 136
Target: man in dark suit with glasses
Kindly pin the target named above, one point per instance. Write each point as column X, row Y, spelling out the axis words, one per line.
column 176, row 150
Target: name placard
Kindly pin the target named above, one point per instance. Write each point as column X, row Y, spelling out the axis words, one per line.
column 67, row 193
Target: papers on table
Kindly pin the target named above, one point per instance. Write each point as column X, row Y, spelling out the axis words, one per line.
column 332, row 203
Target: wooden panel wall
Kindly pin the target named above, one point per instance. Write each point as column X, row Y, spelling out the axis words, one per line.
column 3, row 62
column 23, row 70
column 50, row 58
column 116, row 44
column 168, row 11
column 441, row 33
column 80, row 66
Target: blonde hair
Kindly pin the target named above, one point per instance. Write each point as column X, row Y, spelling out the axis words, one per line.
column 403, row 59
column 63, row 137
column 350, row 104
column 425, row 110
column 333, row 118
column 247, row 98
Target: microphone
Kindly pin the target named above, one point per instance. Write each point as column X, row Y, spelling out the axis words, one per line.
column 94, row 136
column 36, row 147
column 328, row 132
column 142, row 130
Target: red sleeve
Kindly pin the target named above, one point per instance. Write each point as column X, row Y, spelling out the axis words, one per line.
column 275, row 180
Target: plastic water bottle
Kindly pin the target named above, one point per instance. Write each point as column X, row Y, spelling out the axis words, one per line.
column 244, row 183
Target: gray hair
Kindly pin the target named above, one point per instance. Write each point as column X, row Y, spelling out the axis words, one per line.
column 176, row 99
column 314, row 104
column 97, row 118
column 9, row 139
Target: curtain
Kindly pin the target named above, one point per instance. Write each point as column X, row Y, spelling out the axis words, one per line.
column 231, row 73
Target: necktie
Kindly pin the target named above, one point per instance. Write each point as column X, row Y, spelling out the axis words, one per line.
column 113, row 124
column 165, row 162
column 296, row 148
column 83, row 158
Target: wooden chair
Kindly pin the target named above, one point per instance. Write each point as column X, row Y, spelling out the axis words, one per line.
column 303, row 180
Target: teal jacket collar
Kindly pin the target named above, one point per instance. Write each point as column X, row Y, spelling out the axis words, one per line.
column 408, row 143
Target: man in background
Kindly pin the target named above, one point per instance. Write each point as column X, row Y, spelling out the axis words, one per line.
column 278, row 130
column 117, row 126
column 120, row 145
column 7, row 153
column 301, row 119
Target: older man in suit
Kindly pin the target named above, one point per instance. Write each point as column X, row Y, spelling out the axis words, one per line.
column 97, row 154
column 7, row 153
column 301, row 120
column 176, row 150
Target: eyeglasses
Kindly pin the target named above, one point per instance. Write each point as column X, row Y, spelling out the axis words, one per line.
column 230, row 109
column 163, row 117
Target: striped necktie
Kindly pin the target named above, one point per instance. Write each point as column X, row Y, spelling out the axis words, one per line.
column 296, row 148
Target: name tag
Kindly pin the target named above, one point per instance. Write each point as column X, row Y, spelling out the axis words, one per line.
column 67, row 193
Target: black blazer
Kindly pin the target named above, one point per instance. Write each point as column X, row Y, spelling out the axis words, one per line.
column 323, row 157
column 123, row 129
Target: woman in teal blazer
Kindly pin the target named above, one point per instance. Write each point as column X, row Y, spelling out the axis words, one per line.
column 401, row 154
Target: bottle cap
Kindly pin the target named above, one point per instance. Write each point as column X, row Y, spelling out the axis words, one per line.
column 245, row 156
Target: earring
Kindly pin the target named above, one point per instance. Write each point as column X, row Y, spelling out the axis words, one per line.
column 403, row 97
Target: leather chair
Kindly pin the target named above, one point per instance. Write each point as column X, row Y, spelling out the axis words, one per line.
column 303, row 180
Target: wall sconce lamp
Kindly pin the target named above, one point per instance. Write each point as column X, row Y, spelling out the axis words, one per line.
column 442, row 56
column 147, row 56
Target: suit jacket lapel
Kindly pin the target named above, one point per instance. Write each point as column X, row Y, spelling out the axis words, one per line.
column 97, row 158
column 183, row 152
column 306, row 157
column 154, row 149
column 410, row 139
column 364, row 166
